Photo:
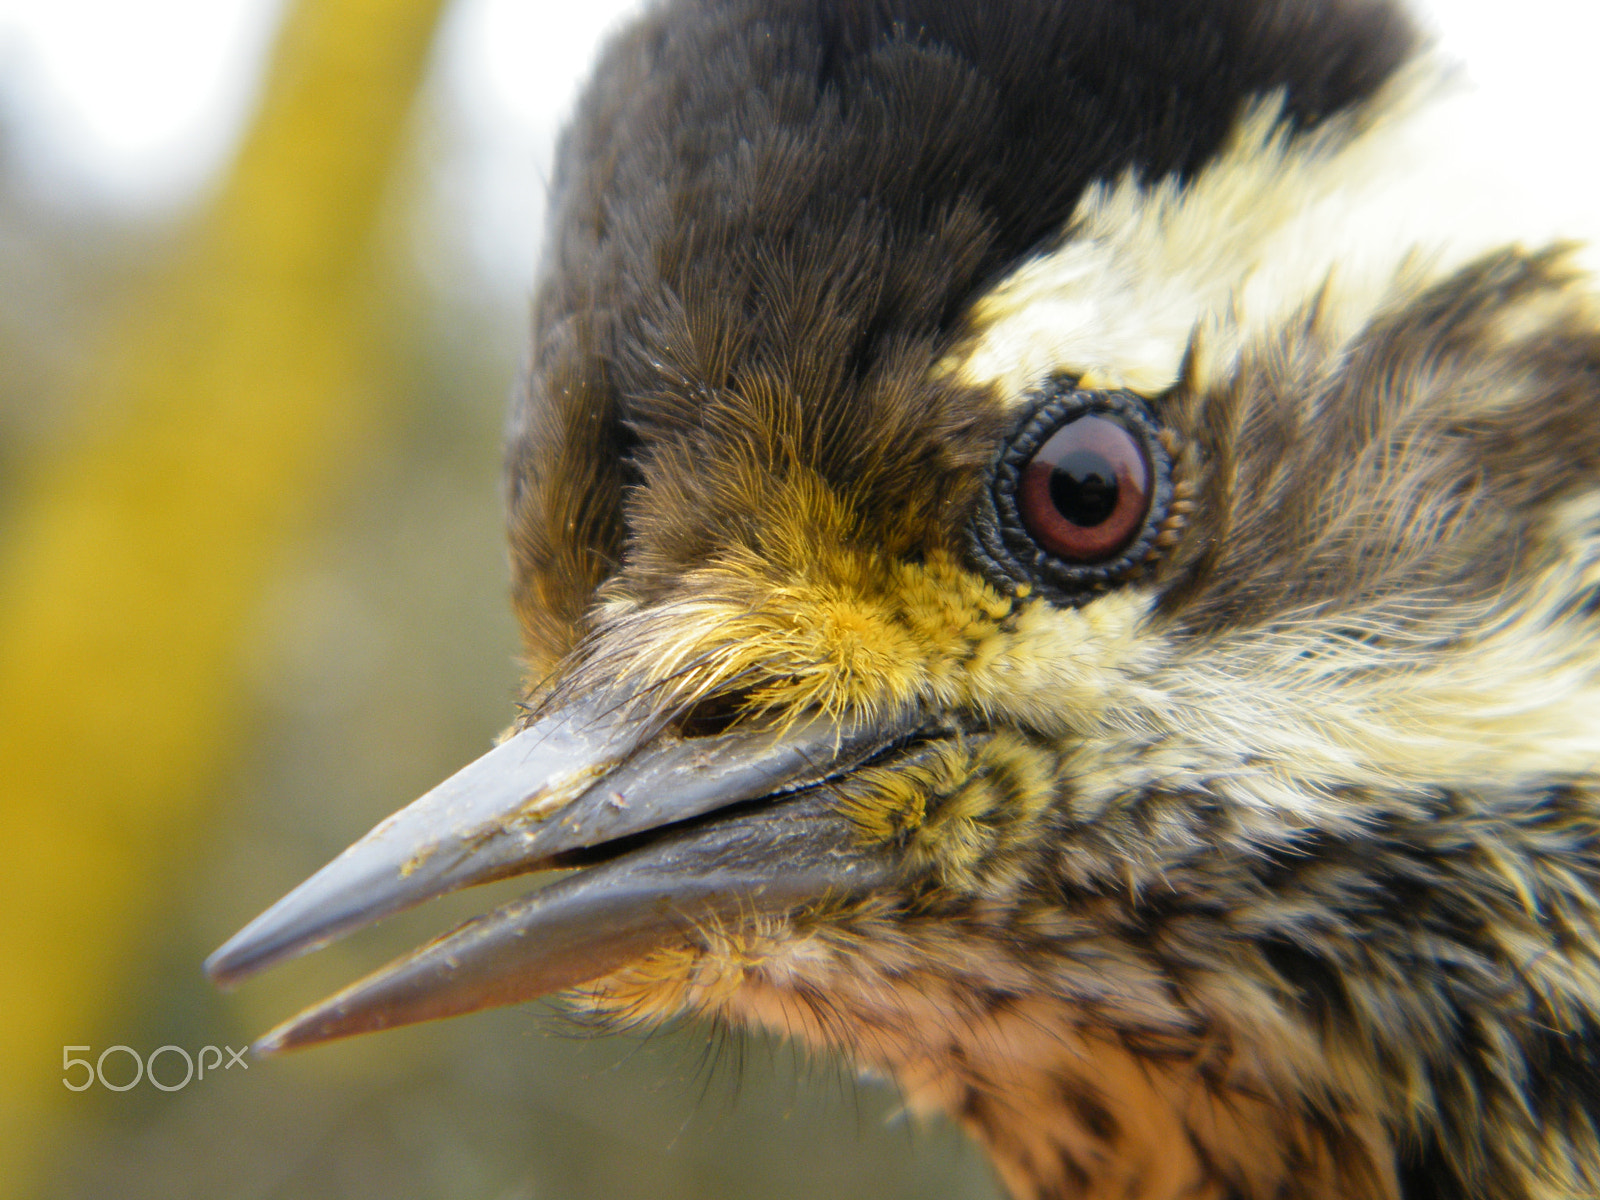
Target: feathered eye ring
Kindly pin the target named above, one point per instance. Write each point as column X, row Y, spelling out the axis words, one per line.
column 1076, row 496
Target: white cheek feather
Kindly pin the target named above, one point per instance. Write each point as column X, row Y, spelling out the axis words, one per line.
column 1355, row 216
column 1281, row 716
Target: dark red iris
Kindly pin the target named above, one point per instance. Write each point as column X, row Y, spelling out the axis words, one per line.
column 1084, row 494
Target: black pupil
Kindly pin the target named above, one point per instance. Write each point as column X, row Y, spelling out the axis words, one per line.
column 1083, row 488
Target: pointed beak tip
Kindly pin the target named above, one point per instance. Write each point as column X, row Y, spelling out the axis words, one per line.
column 221, row 970
column 238, row 958
column 223, row 981
column 274, row 1042
column 312, row 1027
column 226, row 966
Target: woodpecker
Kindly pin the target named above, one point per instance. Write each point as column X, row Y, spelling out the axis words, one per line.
column 1057, row 544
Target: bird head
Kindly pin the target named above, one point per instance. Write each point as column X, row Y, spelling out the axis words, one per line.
column 1056, row 558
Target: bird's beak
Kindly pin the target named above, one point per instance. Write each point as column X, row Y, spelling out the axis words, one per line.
column 585, row 783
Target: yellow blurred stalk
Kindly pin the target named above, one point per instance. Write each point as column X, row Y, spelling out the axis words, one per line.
column 135, row 559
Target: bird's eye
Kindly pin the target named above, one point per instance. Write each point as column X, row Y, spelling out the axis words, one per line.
column 1084, row 494
column 1077, row 495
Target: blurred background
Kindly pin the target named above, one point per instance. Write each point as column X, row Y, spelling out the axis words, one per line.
column 263, row 277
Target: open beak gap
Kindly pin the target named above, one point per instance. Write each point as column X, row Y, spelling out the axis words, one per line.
column 575, row 780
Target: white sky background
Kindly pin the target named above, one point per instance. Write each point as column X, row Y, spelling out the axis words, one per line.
column 134, row 105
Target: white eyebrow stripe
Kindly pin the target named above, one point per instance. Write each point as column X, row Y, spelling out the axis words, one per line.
column 1357, row 214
